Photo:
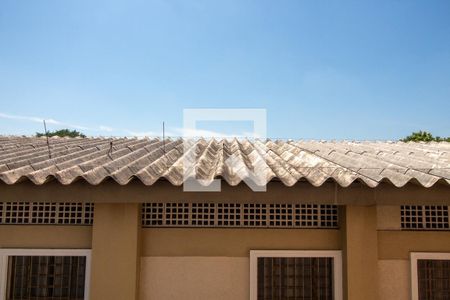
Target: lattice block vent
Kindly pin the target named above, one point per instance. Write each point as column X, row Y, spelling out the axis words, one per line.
column 424, row 217
column 239, row 215
column 46, row 213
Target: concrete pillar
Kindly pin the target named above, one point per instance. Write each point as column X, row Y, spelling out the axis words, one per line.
column 360, row 252
column 115, row 251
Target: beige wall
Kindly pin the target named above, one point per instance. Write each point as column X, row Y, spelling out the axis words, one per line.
column 45, row 236
column 399, row 244
column 388, row 217
column 376, row 253
column 233, row 242
column 194, row 278
column 115, row 252
column 394, row 279
column 394, row 248
column 359, row 225
column 214, row 261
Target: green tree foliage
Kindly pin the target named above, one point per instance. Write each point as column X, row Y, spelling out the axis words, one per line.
column 423, row 136
column 62, row 133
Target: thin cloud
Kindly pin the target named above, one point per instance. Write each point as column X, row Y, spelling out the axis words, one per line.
column 106, row 128
column 51, row 122
column 142, row 133
column 172, row 132
column 21, row 118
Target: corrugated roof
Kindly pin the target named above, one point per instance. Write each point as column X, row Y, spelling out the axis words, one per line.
column 93, row 160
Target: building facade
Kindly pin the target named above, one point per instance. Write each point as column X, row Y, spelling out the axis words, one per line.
column 91, row 219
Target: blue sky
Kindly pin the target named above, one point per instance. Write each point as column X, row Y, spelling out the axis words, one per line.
column 321, row 69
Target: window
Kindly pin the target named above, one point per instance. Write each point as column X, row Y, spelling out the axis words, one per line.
column 295, row 275
column 430, row 276
column 239, row 215
column 44, row 274
column 424, row 217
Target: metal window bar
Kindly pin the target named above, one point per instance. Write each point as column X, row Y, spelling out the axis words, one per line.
column 424, row 217
column 46, row 277
column 300, row 278
column 17, row 213
column 433, row 279
column 239, row 215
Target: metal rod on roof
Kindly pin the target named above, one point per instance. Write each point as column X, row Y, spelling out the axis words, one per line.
column 48, row 142
column 110, row 151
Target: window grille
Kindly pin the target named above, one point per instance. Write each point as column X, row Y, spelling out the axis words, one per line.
column 295, row 278
column 46, row 277
column 433, row 279
column 424, row 217
column 46, row 213
column 304, row 275
column 239, row 215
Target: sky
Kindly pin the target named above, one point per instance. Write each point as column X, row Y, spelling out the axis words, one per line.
column 364, row 70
